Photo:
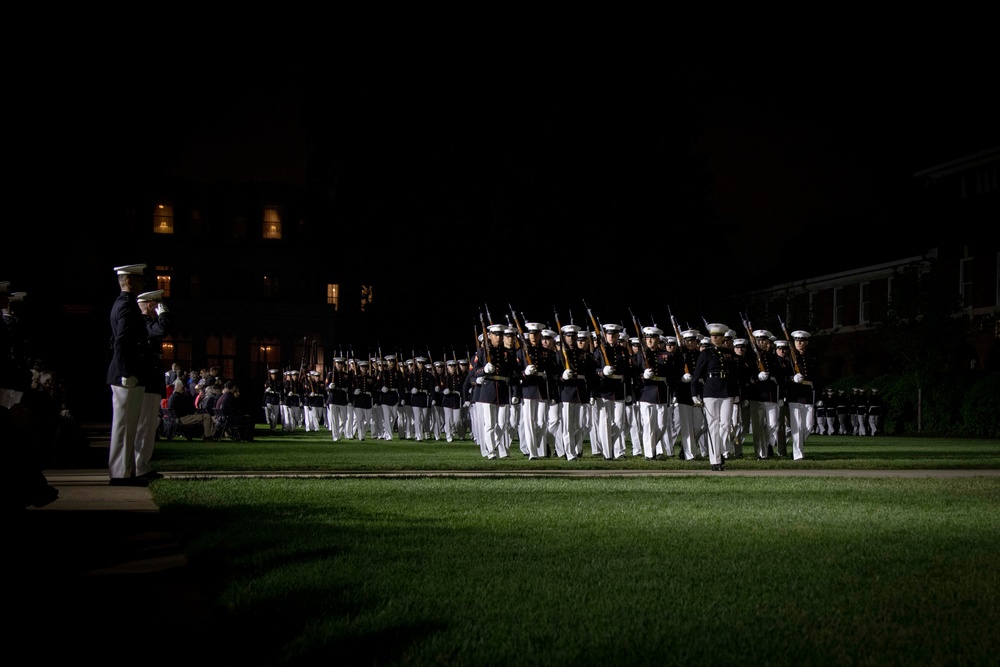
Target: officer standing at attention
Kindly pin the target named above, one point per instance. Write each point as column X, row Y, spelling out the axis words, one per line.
column 493, row 371
column 157, row 318
column 801, row 392
column 710, row 389
column 655, row 396
column 272, row 399
column 129, row 351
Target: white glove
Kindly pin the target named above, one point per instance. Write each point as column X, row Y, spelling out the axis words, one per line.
column 567, row 375
column 763, row 376
column 161, row 308
column 434, row 402
column 385, row 389
column 745, row 403
column 465, row 405
column 64, row 413
column 479, row 380
column 488, row 368
column 357, row 392
column 329, row 386
column 781, row 402
column 697, row 401
column 514, row 400
column 647, row 374
column 609, row 370
column 686, row 377
column 447, row 391
column 130, row 382
column 530, row 369
column 628, row 399
column 798, row 378
column 401, row 403
column 593, row 401
column 819, row 404
column 673, row 400
column 413, row 391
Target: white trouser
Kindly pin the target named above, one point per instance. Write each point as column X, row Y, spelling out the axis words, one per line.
column 803, row 418
column 126, row 404
column 419, row 418
column 692, row 424
column 534, row 414
column 610, row 414
column 493, row 418
column 390, row 413
column 718, row 412
column 145, row 436
column 764, row 426
column 656, row 431
column 553, row 428
column 272, row 414
column 363, row 422
column 572, row 430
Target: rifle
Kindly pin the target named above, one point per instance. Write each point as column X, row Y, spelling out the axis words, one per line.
column 562, row 343
column 705, row 322
column 680, row 339
column 486, row 340
column 600, row 336
column 302, row 365
column 638, row 333
column 520, row 333
column 753, row 342
column 791, row 347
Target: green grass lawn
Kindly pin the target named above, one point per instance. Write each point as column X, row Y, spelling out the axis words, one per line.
column 316, row 451
column 613, row 570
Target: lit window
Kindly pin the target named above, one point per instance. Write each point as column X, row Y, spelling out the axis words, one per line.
column 163, row 283
column 333, row 295
column 163, row 219
column 272, row 223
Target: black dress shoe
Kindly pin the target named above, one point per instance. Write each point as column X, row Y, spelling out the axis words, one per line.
column 717, row 467
column 151, row 475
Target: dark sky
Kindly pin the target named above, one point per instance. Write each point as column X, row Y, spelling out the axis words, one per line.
column 566, row 180
column 700, row 175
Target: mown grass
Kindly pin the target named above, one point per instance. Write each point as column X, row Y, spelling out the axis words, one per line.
column 317, row 451
column 711, row 570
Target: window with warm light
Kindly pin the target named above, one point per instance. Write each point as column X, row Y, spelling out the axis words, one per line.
column 333, row 295
column 366, row 296
column 163, row 218
column 163, row 280
column 272, row 223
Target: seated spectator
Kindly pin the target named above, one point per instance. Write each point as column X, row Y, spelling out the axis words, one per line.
column 182, row 403
column 230, row 404
column 209, row 395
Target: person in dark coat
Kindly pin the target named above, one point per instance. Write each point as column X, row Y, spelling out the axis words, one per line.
column 127, row 367
column 157, row 317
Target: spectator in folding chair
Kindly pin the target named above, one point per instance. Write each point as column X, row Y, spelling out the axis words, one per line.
column 182, row 403
column 238, row 423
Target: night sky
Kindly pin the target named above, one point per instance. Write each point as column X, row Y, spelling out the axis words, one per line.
column 540, row 186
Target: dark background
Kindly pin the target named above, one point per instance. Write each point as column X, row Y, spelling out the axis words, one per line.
column 636, row 183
